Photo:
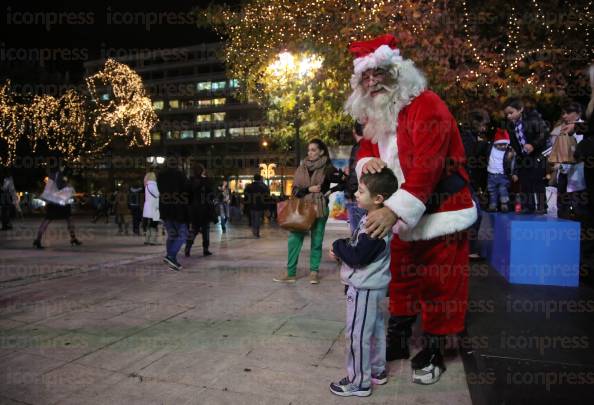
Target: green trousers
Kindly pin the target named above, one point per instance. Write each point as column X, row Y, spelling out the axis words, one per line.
column 296, row 242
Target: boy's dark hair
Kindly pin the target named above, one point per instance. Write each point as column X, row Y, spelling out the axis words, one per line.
column 513, row 102
column 383, row 183
column 572, row 106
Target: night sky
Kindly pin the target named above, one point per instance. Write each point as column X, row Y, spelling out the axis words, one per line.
column 41, row 40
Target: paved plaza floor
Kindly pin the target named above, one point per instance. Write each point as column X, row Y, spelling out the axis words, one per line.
column 108, row 323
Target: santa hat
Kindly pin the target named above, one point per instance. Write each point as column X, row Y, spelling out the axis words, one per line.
column 501, row 136
column 377, row 52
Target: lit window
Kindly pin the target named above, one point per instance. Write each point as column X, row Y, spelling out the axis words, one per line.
column 251, row 131
column 220, row 116
column 236, row 131
column 156, row 136
column 203, row 86
column 188, row 134
column 204, row 102
column 233, row 83
column 219, row 101
column 203, row 134
column 218, row 86
column 219, row 133
column 172, row 134
column 105, row 96
column 158, row 104
column 203, row 118
column 173, row 103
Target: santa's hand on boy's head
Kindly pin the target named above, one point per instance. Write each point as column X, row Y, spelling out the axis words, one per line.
column 374, row 165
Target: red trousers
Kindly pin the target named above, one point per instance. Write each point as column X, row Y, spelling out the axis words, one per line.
column 430, row 277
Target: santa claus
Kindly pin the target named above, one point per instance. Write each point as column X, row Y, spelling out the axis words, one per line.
column 410, row 130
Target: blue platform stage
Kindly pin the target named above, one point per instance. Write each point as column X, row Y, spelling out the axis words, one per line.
column 532, row 249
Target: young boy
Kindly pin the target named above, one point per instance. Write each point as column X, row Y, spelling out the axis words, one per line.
column 366, row 270
column 499, row 170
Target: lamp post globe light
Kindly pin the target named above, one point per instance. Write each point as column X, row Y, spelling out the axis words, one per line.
column 290, row 76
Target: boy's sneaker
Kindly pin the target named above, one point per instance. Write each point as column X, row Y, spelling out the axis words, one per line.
column 284, row 278
column 173, row 264
column 379, row 379
column 427, row 367
column 344, row 388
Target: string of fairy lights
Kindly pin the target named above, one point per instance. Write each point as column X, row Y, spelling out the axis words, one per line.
column 263, row 28
column 128, row 111
column 71, row 124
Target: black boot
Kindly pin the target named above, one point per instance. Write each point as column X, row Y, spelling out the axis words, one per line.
column 188, row 247
column 428, row 364
column 399, row 333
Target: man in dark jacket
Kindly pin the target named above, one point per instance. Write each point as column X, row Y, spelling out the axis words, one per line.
column 202, row 209
column 257, row 196
column 173, row 208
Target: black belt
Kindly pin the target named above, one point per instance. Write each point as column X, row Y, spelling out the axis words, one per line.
column 444, row 189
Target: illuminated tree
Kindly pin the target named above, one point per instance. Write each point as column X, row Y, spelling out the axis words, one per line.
column 11, row 124
column 127, row 110
column 473, row 54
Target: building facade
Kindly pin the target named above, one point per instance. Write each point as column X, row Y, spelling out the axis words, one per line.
column 202, row 119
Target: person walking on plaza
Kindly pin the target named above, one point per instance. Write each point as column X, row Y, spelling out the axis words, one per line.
column 201, row 210
column 135, row 197
column 9, row 201
column 409, row 129
column 528, row 135
column 223, row 200
column 312, row 182
column 101, row 207
column 257, row 198
column 122, row 210
column 365, row 269
column 174, row 198
column 151, row 208
column 55, row 210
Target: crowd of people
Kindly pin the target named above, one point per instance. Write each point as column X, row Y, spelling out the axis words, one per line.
column 417, row 183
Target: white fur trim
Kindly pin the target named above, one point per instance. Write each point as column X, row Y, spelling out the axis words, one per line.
column 360, row 163
column 439, row 224
column 388, row 150
column 408, row 207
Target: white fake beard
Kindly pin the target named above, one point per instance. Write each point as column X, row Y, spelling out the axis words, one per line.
column 377, row 113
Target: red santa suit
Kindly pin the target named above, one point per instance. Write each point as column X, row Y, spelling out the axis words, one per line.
column 429, row 251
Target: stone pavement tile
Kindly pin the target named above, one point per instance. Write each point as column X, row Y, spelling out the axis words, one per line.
column 134, row 390
column 8, row 324
column 158, row 310
column 199, row 368
column 17, row 368
column 53, row 386
column 228, row 397
column 311, row 328
column 284, row 352
column 27, row 337
column 117, row 325
column 126, row 356
column 70, row 346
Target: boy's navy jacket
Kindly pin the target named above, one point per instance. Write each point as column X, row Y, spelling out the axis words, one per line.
column 365, row 261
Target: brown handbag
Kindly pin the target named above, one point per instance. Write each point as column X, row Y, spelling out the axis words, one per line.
column 563, row 149
column 296, row 214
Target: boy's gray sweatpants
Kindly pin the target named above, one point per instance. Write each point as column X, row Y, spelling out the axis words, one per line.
column 365, row 335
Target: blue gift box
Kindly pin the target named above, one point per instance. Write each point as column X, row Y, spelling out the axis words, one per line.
column 532, row 249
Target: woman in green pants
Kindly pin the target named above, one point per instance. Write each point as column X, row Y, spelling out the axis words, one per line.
column 312, row 182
